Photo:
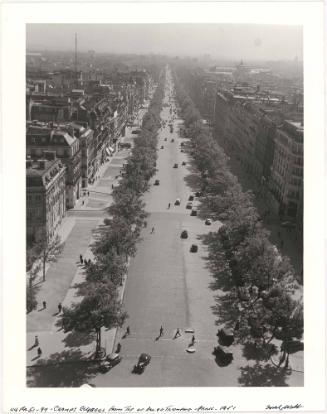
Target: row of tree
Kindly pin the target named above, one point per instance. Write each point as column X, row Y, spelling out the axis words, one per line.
column 116, row 240
column 257, row 284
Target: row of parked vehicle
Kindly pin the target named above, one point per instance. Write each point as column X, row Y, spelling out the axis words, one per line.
column 115, row 358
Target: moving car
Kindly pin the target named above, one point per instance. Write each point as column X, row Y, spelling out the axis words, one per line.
column 189, row 205
column 208, row 222
column 175, row 166
column 194, row 248
column 177, row 202
column 143, row 361
column 194, row 212
column 157, row 182
column 184, row 234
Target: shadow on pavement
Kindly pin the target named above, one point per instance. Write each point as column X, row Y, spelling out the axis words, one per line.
column 263, row 376
column 255, row 352
column 76, row 339
column 64, row 369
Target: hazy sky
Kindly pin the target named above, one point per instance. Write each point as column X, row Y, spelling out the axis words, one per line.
column 250, row 42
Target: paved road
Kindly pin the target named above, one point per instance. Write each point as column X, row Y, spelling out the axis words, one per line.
column 169, row 286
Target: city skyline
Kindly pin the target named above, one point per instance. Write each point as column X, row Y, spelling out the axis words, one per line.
column 225, row 41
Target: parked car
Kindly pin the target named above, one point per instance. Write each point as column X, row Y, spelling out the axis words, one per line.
column 208, row 222
column 184, row 234
column 194, row 212
column 194, row 248
column 110, row 361
column 225, row 337
column 198, row 194
column 189, row 205
column 175, row 165
column 177, row 202
column 183, row 163
column 157, row 182
column 191, row 198
column 143, row 361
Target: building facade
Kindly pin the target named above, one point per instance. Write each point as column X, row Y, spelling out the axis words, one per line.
column 67, row 148
column 45, row 196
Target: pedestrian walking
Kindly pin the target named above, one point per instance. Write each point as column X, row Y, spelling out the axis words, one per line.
column 39, row 352
column 83, row 203
column 88, row 193
column 161, row 331
column 59, row 308
column 152, row 231
column 168, row 205
column 81, row 258
column 193, row 340
column 44, row 304
column 178, row 333
column 128, row 331
column 36, row 341
column 118, row 349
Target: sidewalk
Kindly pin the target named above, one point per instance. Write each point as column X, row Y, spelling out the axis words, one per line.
column 63, row 275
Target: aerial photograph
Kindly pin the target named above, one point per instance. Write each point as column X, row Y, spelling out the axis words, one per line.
column 164, row 205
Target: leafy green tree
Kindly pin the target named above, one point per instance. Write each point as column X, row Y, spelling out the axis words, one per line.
column 110, row 266
column 99, row 309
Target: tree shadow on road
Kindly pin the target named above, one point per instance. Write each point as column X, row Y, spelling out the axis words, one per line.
column 263, row 376
column 256, row 352
column 64, row 369
column 76, row 339
column 226, row 310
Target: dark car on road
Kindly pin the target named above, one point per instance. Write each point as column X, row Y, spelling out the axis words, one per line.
column 110, row 361
column 175, row 166
column 191, row 198
column 177, row 202
column 143, row 361
column 183, row 163
column 194, row 212
column 189, row 205
column 194, row 248
column 157, row 182
column 184, row 234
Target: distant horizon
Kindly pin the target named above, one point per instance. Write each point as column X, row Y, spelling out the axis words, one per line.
column 249, row 42
column 222, row 58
